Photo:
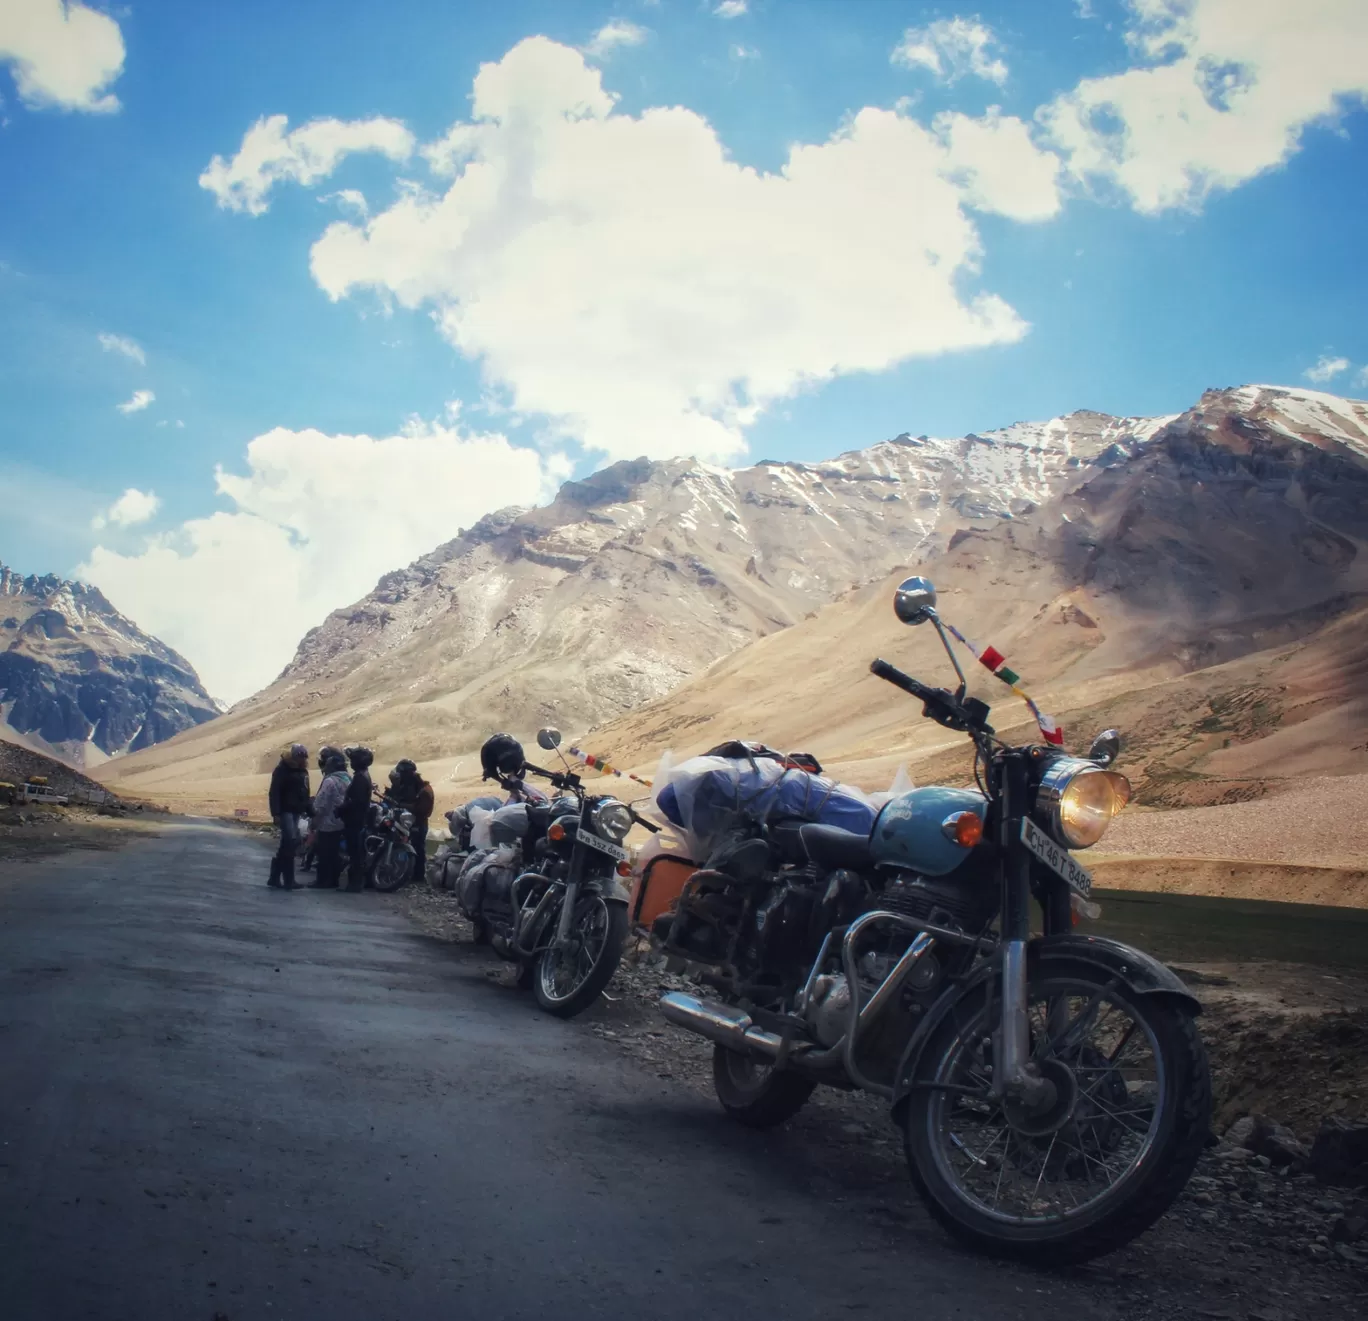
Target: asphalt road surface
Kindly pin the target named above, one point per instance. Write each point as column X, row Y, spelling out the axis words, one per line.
column 219, row 1100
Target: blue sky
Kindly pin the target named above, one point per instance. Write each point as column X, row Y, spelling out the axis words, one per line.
column 1168, row 196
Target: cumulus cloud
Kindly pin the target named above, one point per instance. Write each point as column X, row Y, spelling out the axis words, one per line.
column 140, row 400
column 623, row 276
column 130, row 509
column 1326, row 369
column 1224, row 91
column 611, row 35
column 312, row 524
column 129, row 348
column 269, row 155
column 349, row 199
column 62, row 55
column 731, row 9
column 951, row 49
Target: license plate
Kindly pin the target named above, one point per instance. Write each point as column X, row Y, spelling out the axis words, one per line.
column 603, row 846
column 1056, row 858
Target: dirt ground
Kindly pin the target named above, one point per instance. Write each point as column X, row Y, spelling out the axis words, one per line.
column 36, row 832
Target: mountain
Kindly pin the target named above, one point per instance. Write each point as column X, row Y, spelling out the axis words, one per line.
column 1206, row 591
column 82, row 681
column 1108, row 551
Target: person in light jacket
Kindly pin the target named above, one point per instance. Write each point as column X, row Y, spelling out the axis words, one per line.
column 289, row 800
column 327, row 824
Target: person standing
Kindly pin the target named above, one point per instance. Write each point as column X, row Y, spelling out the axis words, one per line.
column 326, row 822
column 415, row 794
column 289, row 800
column 353, row 811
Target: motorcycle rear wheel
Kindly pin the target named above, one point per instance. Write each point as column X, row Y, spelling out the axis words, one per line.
column 1137, row 1091
column 393, row 867
column 600, row 930
column 757, row 1094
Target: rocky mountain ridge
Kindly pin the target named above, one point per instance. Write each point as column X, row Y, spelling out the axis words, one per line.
column 82, row 681
column 636, row 579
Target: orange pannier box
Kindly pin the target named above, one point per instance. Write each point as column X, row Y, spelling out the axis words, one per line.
column 659, row 887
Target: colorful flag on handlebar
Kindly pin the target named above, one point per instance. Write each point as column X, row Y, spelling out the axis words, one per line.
column 993, row 660
column 603, row 768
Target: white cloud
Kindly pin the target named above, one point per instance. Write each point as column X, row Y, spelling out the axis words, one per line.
column 731, row 9
column 140, row 400
column 1224, row 91
column 952, row 48
column 613, row 34
column 1361, row 377
column 349, row 199
column 998, row 167
column 739, row 52
column 269, row 155
column 1326, row 369
column 314, row 521
column 130, row 509
column 62, row 54
column 130, row 348
column 625, row 277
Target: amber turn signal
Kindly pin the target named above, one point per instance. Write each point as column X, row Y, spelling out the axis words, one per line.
column 624, row 869
column 963, row 828
column 556, row 833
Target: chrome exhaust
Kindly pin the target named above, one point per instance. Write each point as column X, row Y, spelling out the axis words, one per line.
column 721, row 1023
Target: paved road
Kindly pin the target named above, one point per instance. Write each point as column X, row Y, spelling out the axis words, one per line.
column 222, row 1100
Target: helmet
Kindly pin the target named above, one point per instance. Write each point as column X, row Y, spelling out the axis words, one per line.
column 405, row 768
column 502, row 756
column 360, row 758
column 326, row 753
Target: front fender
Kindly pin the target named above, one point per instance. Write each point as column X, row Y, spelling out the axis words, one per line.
column 1142, row 975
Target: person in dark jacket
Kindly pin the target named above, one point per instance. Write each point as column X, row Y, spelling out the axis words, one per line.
column 289, row 800
column 414, row 794
column 353, row 813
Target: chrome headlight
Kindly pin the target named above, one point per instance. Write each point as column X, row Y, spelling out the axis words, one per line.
column 406, row 819
column 612, row 820
column 1077, row 800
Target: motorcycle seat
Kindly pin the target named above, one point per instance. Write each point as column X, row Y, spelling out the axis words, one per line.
column 831, row 847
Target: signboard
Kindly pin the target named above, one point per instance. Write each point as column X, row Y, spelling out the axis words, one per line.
column 239, row 811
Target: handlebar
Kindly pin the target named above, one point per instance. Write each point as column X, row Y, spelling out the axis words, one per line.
column 938, row 704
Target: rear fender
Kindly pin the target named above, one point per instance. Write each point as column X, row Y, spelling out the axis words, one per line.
column 1141, row 974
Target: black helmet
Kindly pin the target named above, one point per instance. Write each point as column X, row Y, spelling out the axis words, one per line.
column 405, row 768
column 360, row 758
column 326, row 753
column 502, row 756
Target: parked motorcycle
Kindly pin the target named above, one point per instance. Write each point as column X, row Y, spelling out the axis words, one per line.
column 388, row 852
column 1053, row 1091
column 548, row 894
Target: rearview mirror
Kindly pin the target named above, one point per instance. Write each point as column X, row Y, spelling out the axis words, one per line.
column 548, row 738
column 1106, row 747
column 915, row 600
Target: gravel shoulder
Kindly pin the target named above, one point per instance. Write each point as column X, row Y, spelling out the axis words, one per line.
column 1245, row 1241
column 28, row 833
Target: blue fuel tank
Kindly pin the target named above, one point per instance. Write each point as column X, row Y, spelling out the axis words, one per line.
column 907, row 832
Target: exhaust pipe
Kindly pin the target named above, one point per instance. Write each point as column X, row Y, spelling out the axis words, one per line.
column 729, row 1027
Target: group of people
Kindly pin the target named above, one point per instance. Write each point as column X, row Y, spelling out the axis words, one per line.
column 336, row 815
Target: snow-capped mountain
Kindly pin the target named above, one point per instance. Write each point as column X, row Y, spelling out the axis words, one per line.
column 80, row 680
column 646, row 573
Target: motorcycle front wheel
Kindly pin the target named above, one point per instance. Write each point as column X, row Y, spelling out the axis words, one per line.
column 393, row 866
column 567, row 982
column 1132, row 1111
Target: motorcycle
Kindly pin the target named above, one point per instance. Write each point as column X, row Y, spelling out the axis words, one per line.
column 389, row 854
column 548, row 895
column 444, row 871
column 1052, row 1091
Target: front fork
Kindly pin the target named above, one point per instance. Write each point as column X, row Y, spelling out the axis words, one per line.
column 1016, row 1075
column 572, row 885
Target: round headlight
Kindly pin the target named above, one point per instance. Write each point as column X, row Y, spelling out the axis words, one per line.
column 612, row 820
column 1077, row 800
column 406, row 819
